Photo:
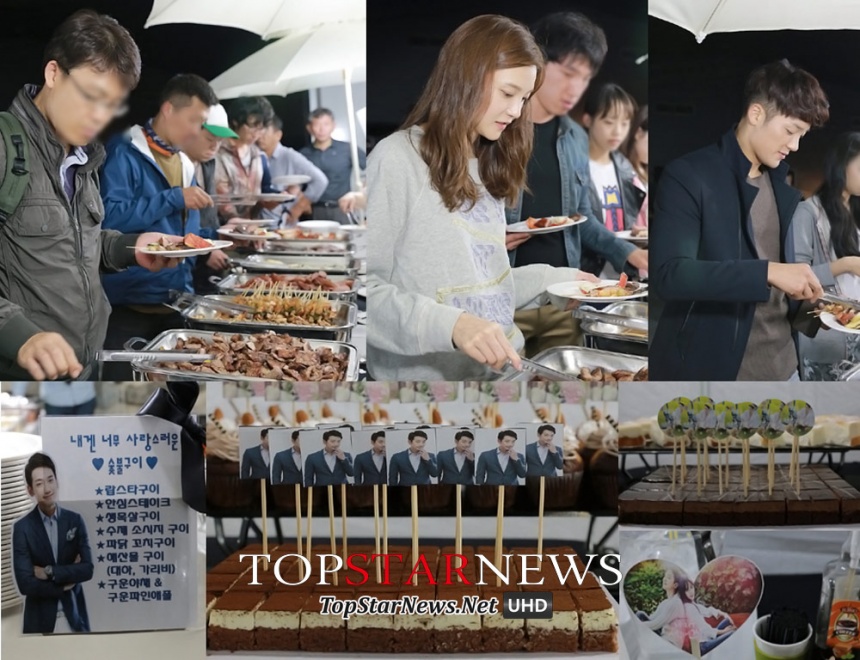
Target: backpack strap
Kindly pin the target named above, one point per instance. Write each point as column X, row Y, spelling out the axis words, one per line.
column 16, row 176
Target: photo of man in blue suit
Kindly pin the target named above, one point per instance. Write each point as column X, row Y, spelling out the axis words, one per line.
column 51, row 556
column 330, row 466
column 370, row 465
column 413, row 466
column 501, row 466
column 543, row 458
column 287, row 465
column 457, row 465
column 256, row 460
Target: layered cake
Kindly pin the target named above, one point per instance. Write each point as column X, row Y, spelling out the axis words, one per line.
column 824, row 498
column 272, row 616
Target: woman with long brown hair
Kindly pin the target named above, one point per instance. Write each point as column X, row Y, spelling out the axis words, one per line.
column 441, row 292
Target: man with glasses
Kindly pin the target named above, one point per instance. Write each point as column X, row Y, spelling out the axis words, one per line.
column 148, row 185
column 53, row 311
column 241, row 167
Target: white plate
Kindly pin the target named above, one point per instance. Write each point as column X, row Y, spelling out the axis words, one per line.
column 17, row 445
column 627, row 235
column 523, row 226
column 573, row 291
column 228, row 231
column 291, row 180
column 830, row 321
column 179, row 254
column 252, row 198
column 321, row 226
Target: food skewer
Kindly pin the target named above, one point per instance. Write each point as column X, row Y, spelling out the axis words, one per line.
column 298, row 491
column 703, row 428
column 310, row 522
column 376, row 532
column 458, row 528
column 541, row 498
column 265, row 523
column 749, row 422
column 500, row 519
column 331, row 525
column 675, row 420
column 772, row 429
column 414, row 494
column 799, row 419
column 344, row 552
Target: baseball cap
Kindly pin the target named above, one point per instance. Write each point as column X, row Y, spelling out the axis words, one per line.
column 217, row 123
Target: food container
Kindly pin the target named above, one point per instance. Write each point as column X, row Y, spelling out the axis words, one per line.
column 233, row 284
column 202, row 317
column 851, row 374
column 149, row 370
column 607, row 336
column 308, row 247
column 571, row 359
column 268, row 263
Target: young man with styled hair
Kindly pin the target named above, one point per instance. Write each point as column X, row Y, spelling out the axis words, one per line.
column 53, row 310
column 721, row 243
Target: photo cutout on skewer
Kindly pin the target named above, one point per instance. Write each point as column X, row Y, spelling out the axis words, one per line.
column 544, row 453
column 457, row 456
column 412, row 457
column 371, row 461
column 501, row 457
column 255, row 452
column 285, row 448
column 328, row 456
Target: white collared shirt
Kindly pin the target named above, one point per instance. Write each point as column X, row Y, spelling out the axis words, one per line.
column 459, row 458
column 503, row 459
column 51, row 524
column 415, row 459
column 330, row 460
column 297, row 459
column 265, row 454
column 542, row 452
column 377, row 460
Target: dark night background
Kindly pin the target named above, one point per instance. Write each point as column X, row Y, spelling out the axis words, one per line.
column 697, row 89
column 404, row 39
column 26, row 27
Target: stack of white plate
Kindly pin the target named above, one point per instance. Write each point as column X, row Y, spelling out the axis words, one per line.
column 15, row 450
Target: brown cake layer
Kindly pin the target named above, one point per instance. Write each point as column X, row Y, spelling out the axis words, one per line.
column 503, row 640
column 824, row 498
column 413, row 640
column 454, row 640
column 556, row 641
column 276, row 639
column 606, row 641
column 322, row 640
column 370, row 640
column 226, row 639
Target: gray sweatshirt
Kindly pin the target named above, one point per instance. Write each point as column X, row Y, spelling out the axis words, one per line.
column 427, row 265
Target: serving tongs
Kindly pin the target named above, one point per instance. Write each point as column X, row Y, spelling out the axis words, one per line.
column 184, row 300
column 587, row 313
column 153, row 356
column 839, row 300
column 529, row 369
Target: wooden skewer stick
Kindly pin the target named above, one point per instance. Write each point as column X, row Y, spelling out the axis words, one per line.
column 265, row 524
column 385, row 519
column 458, row 528
column 376, row 532
column 310, row 521
column 414, row 530
column 707, row 476
column 796, row 449
column 299, row 530
column 746, row 473
column 684, row 460
column 331, row 525
column 541, row 499
column 699, row 467
column 500, row 517
column 674, row 461
column 771, row 456
column 343, row 522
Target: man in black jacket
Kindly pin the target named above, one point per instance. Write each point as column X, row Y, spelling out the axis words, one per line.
column 720, row 241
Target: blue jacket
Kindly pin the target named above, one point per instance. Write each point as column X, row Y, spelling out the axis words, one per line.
column 448, row 472
column 138, row 199
column 365, row 469
column 401, row 472
column 253, row 465
column 705, row 270
column 490, row 473
column 284, row 469
column 317, row 472
column 31, row 547
column 537, row 469
column 572, row 147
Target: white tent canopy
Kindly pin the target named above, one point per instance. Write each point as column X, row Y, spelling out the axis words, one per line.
column 268, row 18
column 704, row 17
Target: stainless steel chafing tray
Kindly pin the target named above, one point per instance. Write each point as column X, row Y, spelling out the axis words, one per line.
column 621, row 321
column 571, row 359
column 234, row 283
column 166, row 341
column 340, row 264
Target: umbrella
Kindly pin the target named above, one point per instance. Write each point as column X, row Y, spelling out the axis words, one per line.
column 704, row 17
column 268, row 18
column 332, row 54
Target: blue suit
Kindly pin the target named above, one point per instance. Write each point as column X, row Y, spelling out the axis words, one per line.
column 253, row 465
column 538, row 469
column 365, row 469
column 284, row 469
column 490, row 471
column 401, row 472
column 317, row 472
column 32, row 547
column 448, row 472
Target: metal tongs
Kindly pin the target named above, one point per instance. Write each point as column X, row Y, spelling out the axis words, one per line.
column 838, row 300
column 153, row 356
column 587, row 313
column 529, row 369
column 184, row 300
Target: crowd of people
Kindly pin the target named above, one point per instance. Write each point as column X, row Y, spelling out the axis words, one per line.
column 491, row 142
column 71, row 209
